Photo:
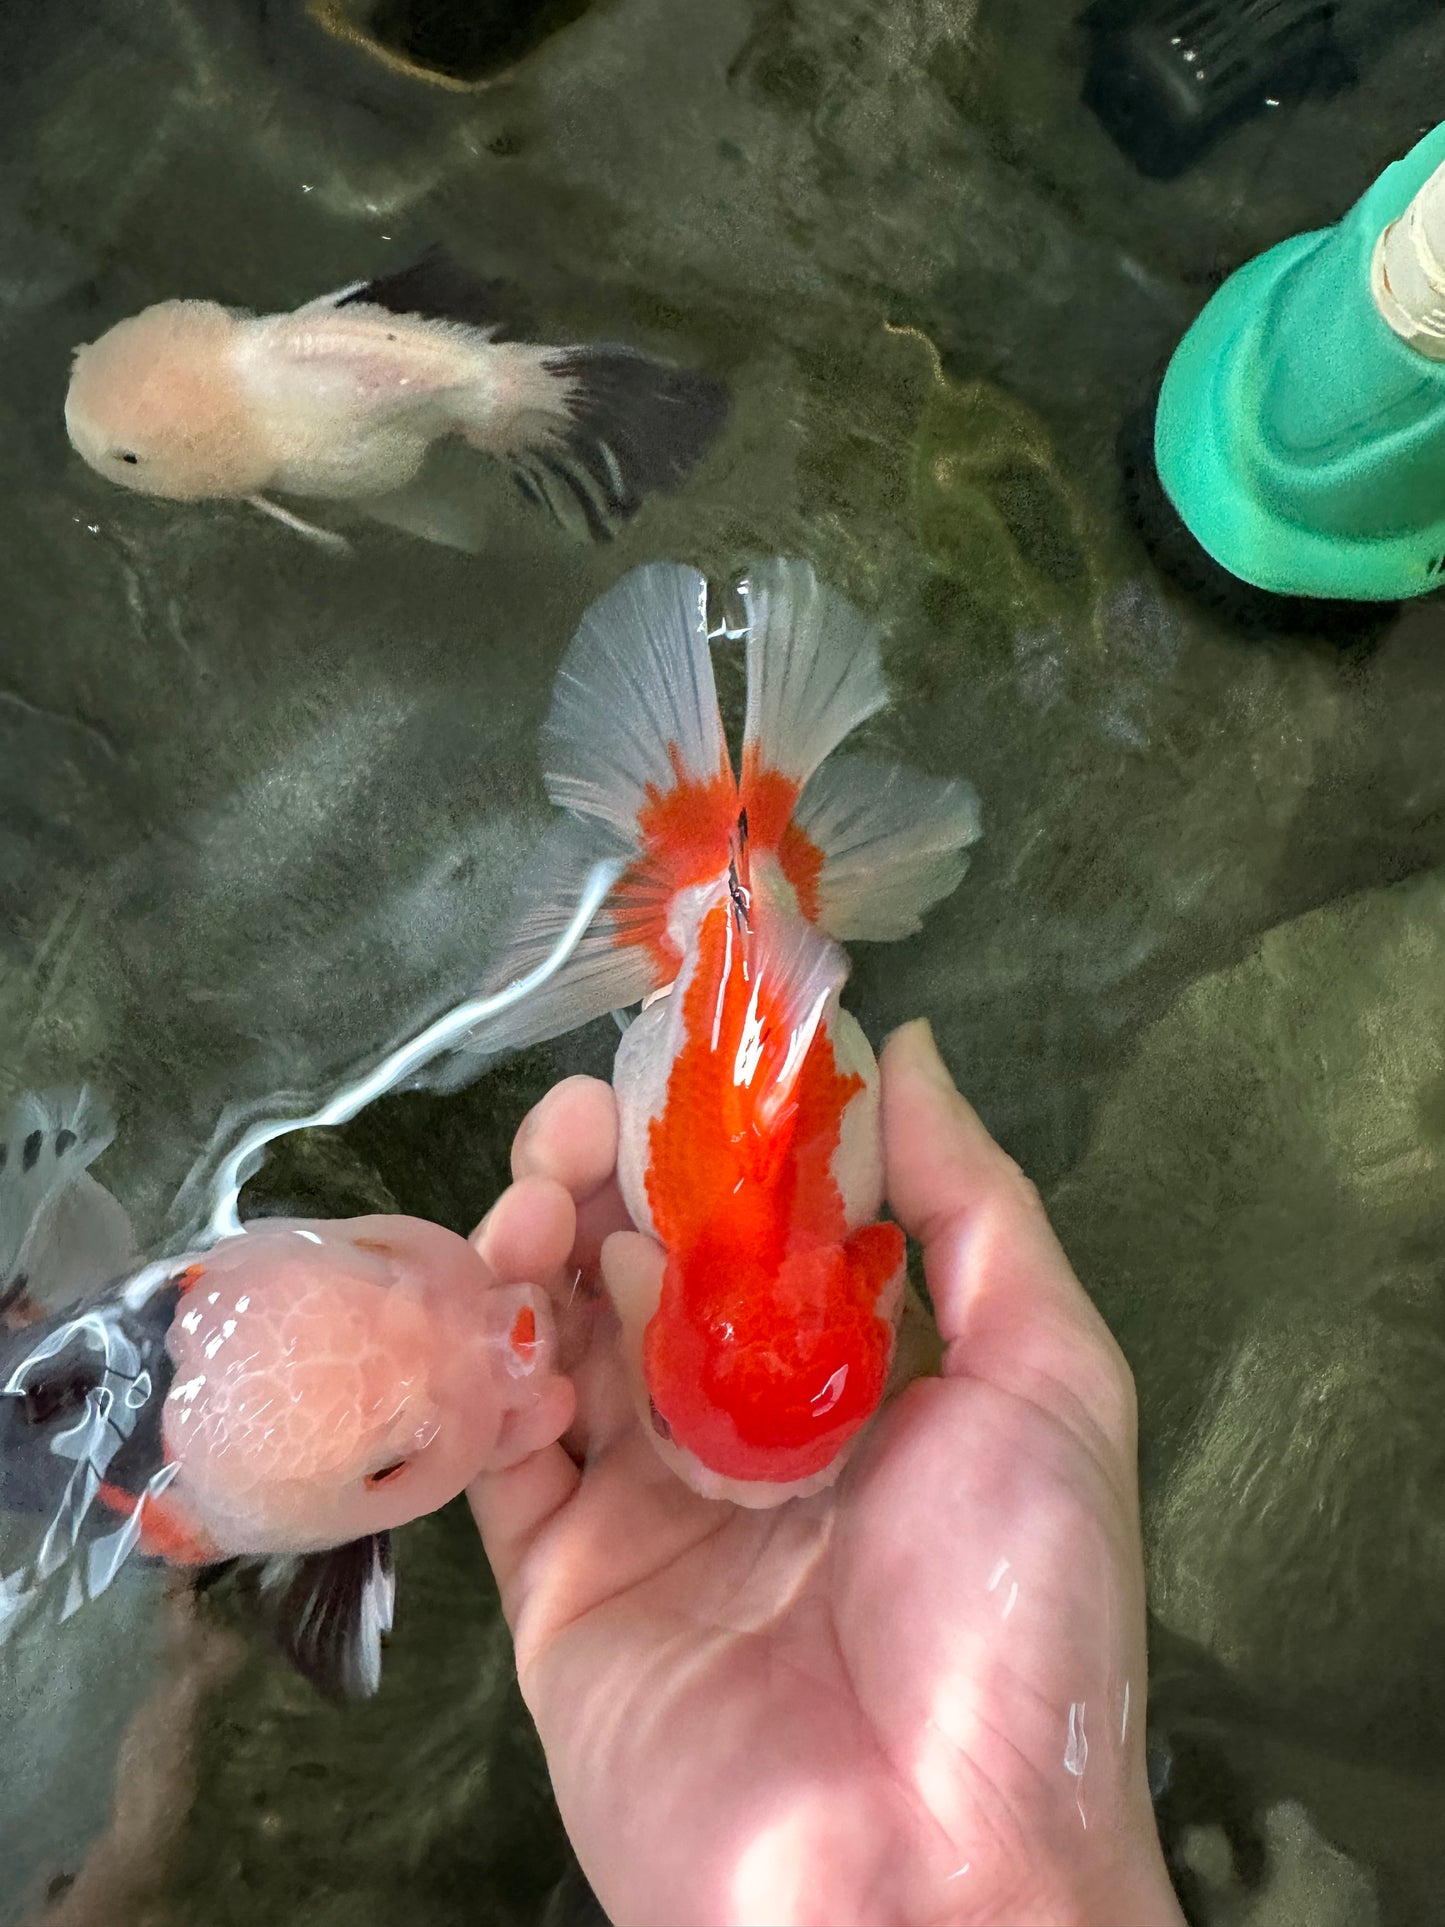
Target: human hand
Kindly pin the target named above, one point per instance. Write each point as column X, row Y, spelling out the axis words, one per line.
column 917, row 1697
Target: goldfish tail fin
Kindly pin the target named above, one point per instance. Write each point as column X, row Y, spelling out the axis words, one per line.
column 815, row 672
column 633, row 749
column 590, row 432
column 330, row 1612
column 892, row 841
column 866, row 846
column 602, row 974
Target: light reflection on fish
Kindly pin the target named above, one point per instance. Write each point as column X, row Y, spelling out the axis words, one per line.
column 285, row 1397
column 343, row 399
column 750, row 1145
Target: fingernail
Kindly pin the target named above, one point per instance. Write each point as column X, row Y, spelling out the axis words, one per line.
column 526, row 1131
column 917, row 1040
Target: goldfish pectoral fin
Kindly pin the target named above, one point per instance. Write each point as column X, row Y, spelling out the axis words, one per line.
column 595, row 430
column 61, row 1233
column 446, row 517
column 328, row 538
column 437, row 287
column 330, row 1611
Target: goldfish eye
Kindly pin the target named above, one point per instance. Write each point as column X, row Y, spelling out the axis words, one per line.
column 47, row 1401
column 659, row 1423
column 125, row 455
column 385, row 1474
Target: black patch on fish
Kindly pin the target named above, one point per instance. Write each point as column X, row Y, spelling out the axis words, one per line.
column 209, row 1576
column 63, row 1141
column 329, row 1612
column 30, row 1156
column 438, row 288
column 635, row 426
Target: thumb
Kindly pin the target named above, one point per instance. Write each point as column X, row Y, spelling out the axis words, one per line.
column 1008, row 1305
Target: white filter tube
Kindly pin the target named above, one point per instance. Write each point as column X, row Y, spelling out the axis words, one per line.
column 1407, row 276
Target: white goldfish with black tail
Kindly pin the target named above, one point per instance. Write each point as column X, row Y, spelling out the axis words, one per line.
column 343, row 399
column 281, row 1399
column 760, row 1341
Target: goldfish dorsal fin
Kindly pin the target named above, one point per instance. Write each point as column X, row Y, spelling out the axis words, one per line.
column 436, row 287
column 794, row 974
column 634, row 710
column 814, row 670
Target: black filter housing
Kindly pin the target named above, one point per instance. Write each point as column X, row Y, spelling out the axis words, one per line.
column 1167, row 78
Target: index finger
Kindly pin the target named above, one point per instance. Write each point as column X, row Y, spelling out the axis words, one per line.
column 1009, row 1307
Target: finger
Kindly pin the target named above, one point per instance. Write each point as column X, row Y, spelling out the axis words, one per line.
column 527, row 1237
column 570, row 1136
column 632, row 1269
column 597, row 1218
column 528, row 1234
column 605, row 1406
column 1008, row 1304
column 514, row 1507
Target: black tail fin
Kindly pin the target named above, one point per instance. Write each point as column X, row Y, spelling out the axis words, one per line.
column 632, row 426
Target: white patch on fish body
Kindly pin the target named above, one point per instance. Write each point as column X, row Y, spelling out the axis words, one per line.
column 349, row 403
column 857, row 1167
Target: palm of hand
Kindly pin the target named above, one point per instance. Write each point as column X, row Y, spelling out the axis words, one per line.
column 903, row 1700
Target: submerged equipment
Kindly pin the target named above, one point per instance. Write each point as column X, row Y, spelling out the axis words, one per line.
column 1300, row 428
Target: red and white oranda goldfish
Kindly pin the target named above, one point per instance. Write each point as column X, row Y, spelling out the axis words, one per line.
column 285, row 1397
column 343, row 399
column 748, row 1097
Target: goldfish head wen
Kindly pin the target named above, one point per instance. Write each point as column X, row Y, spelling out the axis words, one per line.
column 756, row 1383
column 156, row 405
column 337, row 1378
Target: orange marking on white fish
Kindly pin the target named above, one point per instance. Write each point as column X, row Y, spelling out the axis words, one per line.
column 684, row 832
column 770, row 798
column 524, row 1332
column 766, row 1352
column 164, row 1534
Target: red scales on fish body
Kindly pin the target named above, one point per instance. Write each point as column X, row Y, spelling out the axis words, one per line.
column 685, row 832
column 766, row 1352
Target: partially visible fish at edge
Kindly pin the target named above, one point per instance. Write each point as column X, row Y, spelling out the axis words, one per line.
column 343, row 399
column 278, row 1403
